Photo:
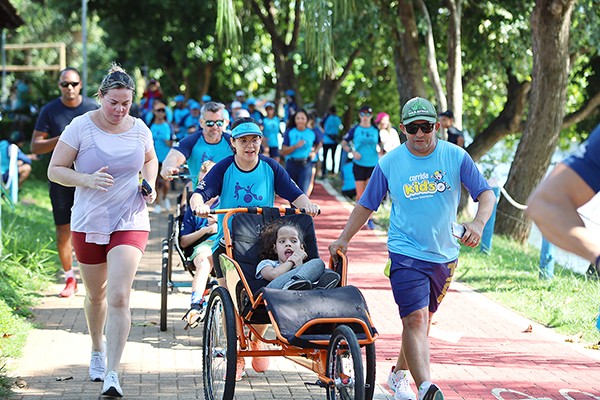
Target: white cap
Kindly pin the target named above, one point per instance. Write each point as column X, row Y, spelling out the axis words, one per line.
column 240, row 93
column 235, row 104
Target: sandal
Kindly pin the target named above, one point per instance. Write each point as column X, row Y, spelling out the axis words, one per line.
column 194, row 315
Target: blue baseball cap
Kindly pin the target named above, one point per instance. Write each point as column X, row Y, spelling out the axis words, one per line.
column 179, row 98
column 206, row 98
column 245, row 129
column 195, row 106
column 251, row 101
column 270, row 104
column 290, row 92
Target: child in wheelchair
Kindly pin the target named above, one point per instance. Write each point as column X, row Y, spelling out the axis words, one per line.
column 284, row 261
column 197, row 237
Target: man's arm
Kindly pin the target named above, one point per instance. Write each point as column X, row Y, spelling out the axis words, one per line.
column 474, row 229
column 358, row 218
column 41, row 144
column 553, row 207
column 170, row 165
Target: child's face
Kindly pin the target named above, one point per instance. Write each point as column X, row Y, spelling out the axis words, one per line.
column 287, row 242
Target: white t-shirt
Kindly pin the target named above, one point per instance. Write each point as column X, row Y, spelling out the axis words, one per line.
column 97, row 213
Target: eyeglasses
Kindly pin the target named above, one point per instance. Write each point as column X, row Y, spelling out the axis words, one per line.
column 256, row 141
column 365, row 114
column 67, row 84
column 426, row 127
column 218, row 122
column 160, row 110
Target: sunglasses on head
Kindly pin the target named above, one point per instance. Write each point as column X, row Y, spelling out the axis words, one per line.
column 218, row 122
column 426, row 127
column 365, row 114
column 67, row 84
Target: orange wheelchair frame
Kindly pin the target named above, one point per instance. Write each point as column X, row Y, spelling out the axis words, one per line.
column 331, row 345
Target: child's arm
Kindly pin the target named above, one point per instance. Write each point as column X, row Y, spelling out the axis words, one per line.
column 272, row 271
column 190, row 238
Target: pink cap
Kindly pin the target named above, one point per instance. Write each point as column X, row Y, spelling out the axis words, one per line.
column 380, row 117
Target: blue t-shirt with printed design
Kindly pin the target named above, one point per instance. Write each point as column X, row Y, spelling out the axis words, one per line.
column 365, row 142
column 161, row 134
column 271, row 130
column 196, row 151
column 586, row 162
column 293, row 136
column 255, row 188
column 425, row 192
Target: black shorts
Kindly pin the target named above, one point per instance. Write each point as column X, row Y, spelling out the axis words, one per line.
column 362, row 173
column 61, row 198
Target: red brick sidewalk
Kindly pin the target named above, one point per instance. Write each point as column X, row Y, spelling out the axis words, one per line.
column 478, row 349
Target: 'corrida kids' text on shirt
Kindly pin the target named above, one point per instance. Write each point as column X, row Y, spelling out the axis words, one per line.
column 425, row 192
column 196, row 151
column 255, row 188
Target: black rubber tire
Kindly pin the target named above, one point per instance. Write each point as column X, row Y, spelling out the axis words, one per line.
column 219, row 347
column 164, row 284
column 345, row 366
column 370, row 369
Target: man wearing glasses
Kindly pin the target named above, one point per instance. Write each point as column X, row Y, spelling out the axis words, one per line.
column 209, row 143
column 53, row 119
column 423, row 177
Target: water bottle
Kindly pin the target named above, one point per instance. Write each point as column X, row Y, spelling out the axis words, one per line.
column 598, row 320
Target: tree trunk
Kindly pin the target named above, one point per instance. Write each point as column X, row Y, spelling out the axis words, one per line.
column 432, row 68
column 550, row 24
column 454, row 75
column 409, row 71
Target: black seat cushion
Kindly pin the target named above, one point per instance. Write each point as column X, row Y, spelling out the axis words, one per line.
column 292, row 309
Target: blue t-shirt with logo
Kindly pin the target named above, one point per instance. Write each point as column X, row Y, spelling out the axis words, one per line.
column 365, row 142
column 271, row 130
column 255, row 188
column 425, row 192
column 586, row 162
column 293, row 136
column 161, row 134
column 196, row 151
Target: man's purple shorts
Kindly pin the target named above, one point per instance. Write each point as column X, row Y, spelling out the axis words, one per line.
column 417, row 284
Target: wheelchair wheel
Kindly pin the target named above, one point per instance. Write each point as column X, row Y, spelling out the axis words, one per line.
column 164, row 284
column 369, row 371
column 344, row 366
column 219, row 348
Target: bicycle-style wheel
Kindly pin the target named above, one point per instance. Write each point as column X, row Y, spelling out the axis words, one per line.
column 344, row 366
column 164, row 284
column 219, row 348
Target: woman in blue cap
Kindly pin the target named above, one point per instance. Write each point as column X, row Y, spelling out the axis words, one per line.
column 246, row 179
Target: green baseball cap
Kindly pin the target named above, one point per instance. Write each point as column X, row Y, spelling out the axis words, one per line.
column 417, row 109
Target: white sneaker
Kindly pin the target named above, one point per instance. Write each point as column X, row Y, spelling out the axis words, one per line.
column 111, row 385
column 157, row 209
column 430, row 391
column 400, row 385
column 97, row 366
column 167, row 204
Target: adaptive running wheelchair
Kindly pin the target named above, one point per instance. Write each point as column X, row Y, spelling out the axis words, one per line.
column 328, row 331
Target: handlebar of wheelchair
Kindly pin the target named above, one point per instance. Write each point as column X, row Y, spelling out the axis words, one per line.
column 180, row 176
column 258, row 210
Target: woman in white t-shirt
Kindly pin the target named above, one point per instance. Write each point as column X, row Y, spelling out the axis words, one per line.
column 109, row 223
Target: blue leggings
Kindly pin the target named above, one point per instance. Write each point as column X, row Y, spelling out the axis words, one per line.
column 300, row 174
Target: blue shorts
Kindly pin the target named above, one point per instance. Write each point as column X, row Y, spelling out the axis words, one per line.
column 417, row 284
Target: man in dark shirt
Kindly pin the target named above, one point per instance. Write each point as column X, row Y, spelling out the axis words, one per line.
column 454, row 135
column 53, row 119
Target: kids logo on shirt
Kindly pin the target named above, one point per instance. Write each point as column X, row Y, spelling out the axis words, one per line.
column 425, row 185
column 248, row 196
